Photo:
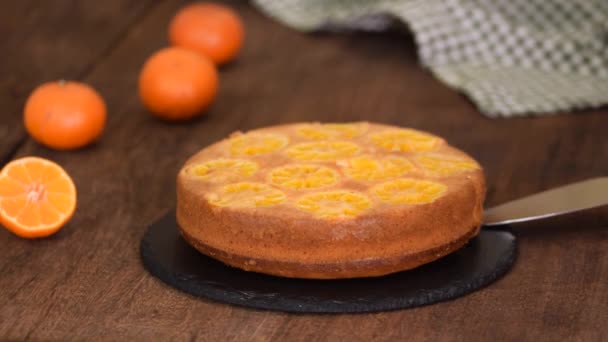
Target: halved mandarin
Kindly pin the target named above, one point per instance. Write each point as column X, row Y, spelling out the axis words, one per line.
column 223, row 170
column 334, row 204
column 444, row 165
column 323, row 150
column 247, row 195
column 37, row 197
column 374, row 169
column 252, row 144
column 409, row 191
column 327, row 131
column 405, row 140
column 303, row 176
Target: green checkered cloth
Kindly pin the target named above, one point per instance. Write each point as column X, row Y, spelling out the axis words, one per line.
column 511, row 57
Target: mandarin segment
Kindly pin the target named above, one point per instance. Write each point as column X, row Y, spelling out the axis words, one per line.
column 48, row 213
column 328, row 131
column 299, row 177
column 56, row 186
column 52, row 172
column 11, row 207
column 255, row 144
column 405, row 140
column 323, row 150
column 29, row 215
column 61, row 202
column 223, row 170
column 35, row 173
column 42, row 173
column 10, row 187
column 409, row 191
column 19, row 173
column 373, row 169
column 244, row 194
column 443, row 165
column 334, row 204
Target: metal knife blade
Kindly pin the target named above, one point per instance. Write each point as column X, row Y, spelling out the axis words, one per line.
column 591, row 193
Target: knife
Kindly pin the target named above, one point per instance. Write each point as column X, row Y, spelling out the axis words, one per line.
column 588, row 194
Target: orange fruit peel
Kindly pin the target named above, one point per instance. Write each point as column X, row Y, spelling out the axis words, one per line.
column 37, row 197
column 65, row 115
column 210, row 29
column 176, row 84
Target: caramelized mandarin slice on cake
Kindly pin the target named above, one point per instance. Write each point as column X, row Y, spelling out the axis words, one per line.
column 252, row 144
column 334, row 204
column 405, row 140
column 444, row 165
column 300, row 176
column 223, row 170
column 244, row 195
column 323, row 150
column 328, row 131
column 373, row 169
column 409, row 191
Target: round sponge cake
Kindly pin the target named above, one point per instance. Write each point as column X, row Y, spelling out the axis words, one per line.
column 324, row 201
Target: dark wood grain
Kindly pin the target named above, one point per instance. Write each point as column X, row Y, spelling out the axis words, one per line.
column 50, row 40
column 87, row 282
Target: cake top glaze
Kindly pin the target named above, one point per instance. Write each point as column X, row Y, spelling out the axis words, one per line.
column 330, row 171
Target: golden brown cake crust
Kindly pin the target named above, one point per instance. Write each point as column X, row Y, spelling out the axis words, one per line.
column 280, row 239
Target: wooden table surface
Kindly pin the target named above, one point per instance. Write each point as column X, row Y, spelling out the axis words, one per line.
column 87, row 281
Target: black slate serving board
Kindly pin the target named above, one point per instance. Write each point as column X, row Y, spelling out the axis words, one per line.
column 482, row 261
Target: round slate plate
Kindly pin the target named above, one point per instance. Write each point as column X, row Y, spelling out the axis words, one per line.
column 483, row 260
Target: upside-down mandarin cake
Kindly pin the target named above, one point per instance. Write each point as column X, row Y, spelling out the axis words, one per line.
column 326, row 201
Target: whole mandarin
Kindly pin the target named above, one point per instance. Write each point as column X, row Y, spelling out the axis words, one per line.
column 177, row 84
column 210, row 29
column 64, row 114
